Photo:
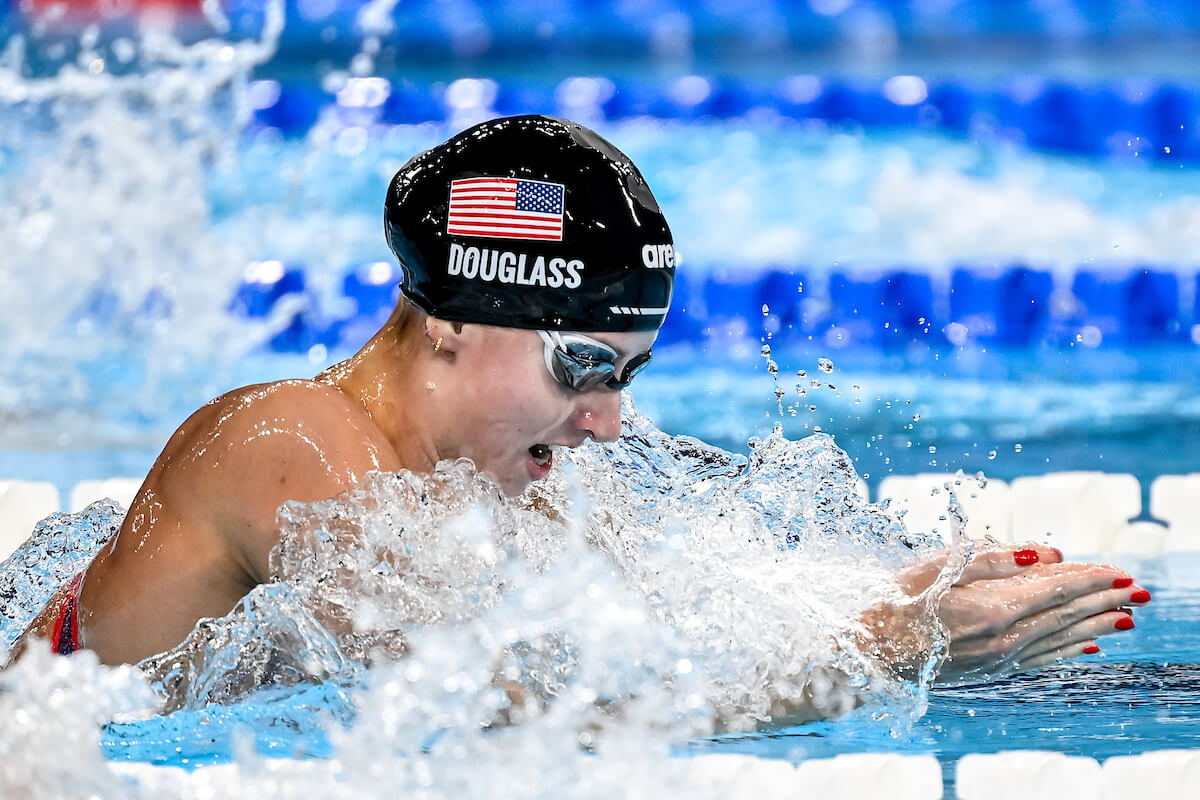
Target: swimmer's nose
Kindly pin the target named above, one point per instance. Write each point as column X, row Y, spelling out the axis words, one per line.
column 600, row 415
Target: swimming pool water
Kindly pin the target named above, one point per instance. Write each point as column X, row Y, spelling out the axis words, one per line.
column 1138, row 696
column 120, row 369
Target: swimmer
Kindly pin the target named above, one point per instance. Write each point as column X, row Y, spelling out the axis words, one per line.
column 537, row 269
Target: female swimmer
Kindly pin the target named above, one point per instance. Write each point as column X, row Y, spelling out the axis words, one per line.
column 537, row 269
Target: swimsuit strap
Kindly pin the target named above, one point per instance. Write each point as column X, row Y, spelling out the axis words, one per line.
column 66, row 628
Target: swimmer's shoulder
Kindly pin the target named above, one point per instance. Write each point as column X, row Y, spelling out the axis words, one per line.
column 245, row 453
column 258, row 446
column 309, row 414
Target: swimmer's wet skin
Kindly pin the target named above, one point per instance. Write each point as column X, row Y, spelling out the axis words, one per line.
column 537, row 270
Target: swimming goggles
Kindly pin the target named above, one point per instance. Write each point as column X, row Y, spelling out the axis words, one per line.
column 581, row 363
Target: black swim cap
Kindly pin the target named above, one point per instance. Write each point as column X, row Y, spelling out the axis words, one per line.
column 531, row 222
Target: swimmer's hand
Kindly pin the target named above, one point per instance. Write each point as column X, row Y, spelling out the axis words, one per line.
column 1015, row 608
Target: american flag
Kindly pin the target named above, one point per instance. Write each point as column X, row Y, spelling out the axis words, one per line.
column 506, row 208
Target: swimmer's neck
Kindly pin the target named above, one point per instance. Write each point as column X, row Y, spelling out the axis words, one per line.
column 391, row 380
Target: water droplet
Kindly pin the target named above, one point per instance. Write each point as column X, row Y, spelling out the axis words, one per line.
column 801, row 373
column 932, row 449
column 916, row 417
column 766, row 310
column 1017, row 447
column 991, row 455
column 766, row 350
column 825, row 365
column 772, row 367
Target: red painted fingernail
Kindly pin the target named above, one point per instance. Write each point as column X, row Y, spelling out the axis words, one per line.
column 1124, row 624
column 1091, row 649
column 1121, row 583
column 1025, row 557
column 1140, row 596
column 1059, row 553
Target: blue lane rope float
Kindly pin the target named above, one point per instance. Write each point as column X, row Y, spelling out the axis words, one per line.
column 882, row 309
column 1154, row 121
column 425, row 30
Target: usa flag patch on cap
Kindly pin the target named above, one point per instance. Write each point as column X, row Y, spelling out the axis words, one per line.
column 506, row 208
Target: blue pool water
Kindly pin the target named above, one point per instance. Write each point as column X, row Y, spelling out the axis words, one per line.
column 816, row 214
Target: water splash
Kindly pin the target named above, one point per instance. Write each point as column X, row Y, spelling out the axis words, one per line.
column 53, row 708
column 115, row 283
column 352, row 576
column 58, row 549
column 763, row 565
column 766, row 562
column 650, row 589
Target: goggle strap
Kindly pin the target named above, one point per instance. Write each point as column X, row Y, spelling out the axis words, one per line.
column 554, row 342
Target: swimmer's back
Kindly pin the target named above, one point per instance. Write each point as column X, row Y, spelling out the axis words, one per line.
column 198, row 534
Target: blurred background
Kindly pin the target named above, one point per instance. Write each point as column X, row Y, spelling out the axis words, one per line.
column 957, row 234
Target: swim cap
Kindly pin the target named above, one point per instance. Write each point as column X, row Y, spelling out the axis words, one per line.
column 531, row 222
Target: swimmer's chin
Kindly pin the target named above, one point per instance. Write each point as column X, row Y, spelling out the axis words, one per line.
column 512, row 489
column 513, row 486
column 510, row 485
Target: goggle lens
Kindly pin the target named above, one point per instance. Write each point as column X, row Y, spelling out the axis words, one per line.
column 583, row 364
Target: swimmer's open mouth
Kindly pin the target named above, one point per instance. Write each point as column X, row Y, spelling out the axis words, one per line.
column 542, row 454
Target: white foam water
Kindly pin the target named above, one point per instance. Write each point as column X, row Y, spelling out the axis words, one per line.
column 58, row 549
column 115, row 285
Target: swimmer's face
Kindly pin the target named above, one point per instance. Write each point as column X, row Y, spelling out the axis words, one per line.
column 514, row 413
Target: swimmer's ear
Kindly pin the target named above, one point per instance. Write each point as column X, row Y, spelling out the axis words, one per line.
column 444, row 337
